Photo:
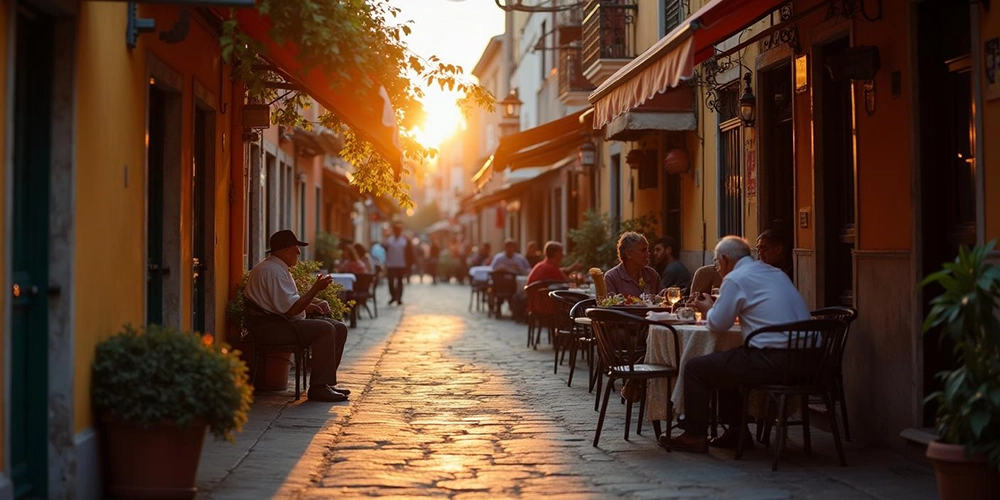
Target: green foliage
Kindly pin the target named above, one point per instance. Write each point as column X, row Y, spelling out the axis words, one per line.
column 161, row 374
column 305, row 274
column 966, row 313
column 236, row 309
column 327, row 249
column 354, row 41
column 592, row 244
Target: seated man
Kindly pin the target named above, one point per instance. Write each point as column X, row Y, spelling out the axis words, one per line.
column 510, row 260
column 271, row 287
column 548, row 269
column 674, row 272
column 760, row 295
column 771, row 250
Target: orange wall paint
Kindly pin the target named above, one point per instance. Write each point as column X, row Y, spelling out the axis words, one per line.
column 111, row 123
column 4, row 10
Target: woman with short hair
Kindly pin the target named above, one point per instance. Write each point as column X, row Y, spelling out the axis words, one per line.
column 632, row 276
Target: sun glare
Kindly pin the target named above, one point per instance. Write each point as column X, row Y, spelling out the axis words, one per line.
column 442, row 119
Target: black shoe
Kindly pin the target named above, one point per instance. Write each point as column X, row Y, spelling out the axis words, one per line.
column 326, row 395
column 346, row 392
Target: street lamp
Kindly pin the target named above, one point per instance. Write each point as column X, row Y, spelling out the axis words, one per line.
column 588, row 154
column 748, row 103
column 510, row 109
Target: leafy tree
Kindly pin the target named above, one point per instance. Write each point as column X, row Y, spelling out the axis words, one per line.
column 592, row 244
column 355, row 41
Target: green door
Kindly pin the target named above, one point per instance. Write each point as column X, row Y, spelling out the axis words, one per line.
column 154, row 209
column 29, row 258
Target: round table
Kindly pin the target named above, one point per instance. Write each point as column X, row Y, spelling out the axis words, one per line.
column 695, row 340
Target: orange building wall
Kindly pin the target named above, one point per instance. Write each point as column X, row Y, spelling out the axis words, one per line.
column 990, row 163
column 110, row 221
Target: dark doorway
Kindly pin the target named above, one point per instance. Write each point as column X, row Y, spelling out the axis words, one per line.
column 947, row 165
column 33, row 73
column 157, row 266
column 836, row 180
column 776, row 169
column 200, row 176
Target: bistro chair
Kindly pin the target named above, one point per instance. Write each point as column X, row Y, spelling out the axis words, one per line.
column 584, row 340
column 565, row 331
column 540, row 309
column 503, row 286
column 810, row 349
column 621, row 342
column 362, row 292
column 847, row 315
column 258, row 319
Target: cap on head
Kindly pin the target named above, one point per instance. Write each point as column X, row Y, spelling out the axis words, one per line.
column 284, row 239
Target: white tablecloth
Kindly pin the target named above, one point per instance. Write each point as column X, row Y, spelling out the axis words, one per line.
column 694, row 340
column 480, row 273
column 345, row 279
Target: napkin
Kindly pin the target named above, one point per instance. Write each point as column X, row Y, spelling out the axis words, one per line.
column 661, row 316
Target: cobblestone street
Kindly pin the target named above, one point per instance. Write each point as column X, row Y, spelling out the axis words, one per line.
column 450, row 403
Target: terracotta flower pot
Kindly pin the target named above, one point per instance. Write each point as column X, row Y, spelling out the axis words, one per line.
column 275, row 372
column 961, row 477
column 158, row 462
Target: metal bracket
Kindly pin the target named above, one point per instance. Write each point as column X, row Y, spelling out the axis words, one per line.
column 179, row 31
column 136, row 26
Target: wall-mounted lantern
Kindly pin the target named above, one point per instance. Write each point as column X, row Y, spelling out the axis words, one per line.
column 510, row 109
column 748, row 103
column 588, row 154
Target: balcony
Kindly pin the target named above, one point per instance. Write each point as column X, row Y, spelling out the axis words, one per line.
column 608, row 37
column 573, row 86
column 568, row 25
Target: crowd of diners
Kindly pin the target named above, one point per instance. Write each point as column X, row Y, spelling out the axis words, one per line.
column 755, row 292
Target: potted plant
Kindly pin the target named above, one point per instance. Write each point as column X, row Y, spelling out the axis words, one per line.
column 967, row 453
column 155, row 391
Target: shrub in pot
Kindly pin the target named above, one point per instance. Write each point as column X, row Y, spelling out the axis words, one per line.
column 966, row 455
column 156, row 390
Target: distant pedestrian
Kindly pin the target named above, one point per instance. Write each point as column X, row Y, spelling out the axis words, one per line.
column 398, row 260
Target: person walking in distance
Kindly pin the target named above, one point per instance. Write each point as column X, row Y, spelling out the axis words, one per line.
column 398, row 259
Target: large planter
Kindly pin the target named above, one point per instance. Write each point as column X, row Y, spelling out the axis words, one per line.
column 961, row 477
column 274, row 376
column 156, row 462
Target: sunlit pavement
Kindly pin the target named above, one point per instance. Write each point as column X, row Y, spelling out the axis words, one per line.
column 449, row 403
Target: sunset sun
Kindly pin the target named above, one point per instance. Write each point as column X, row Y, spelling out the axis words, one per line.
column 442, row 119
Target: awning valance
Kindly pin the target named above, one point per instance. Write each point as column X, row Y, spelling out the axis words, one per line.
column 508, row 192
column 539, row 146
column 672, row 58
column 369, row 115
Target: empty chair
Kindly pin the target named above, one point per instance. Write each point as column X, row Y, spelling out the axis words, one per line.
column 564, row 329
column 540, row 309
column 847, row 315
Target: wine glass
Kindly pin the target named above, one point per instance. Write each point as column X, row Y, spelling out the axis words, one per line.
column 674, row 296
column 715, row 293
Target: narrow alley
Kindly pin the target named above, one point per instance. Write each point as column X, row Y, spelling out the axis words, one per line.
column 449, row 403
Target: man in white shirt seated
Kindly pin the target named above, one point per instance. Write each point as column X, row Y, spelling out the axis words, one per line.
column 510, row 260
column 271, row 288
column 760, row 295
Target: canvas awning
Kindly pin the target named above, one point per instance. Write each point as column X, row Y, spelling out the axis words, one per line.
column 539, row 146
column 370, row 114
column 673, row 57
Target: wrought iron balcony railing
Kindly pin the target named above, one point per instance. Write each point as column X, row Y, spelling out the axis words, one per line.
column 571, row 77
column 608, row 30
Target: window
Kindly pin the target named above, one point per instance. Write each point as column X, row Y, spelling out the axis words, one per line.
column 541, row 42
column 648, row 170
column 730, row 179
column 673, row 14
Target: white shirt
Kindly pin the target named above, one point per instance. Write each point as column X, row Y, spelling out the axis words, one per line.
column 761, row 295
column 395, row 251
column 271, row 286
column 516, row 263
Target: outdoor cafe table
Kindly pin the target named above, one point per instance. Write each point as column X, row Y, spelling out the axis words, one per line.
column 695, row 340
column 345, row 279
column 480, row 273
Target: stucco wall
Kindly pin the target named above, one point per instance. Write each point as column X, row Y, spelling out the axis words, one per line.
column 4, row 34
column 110, row 213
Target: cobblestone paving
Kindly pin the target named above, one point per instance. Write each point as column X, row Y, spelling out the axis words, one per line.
column 448, row 403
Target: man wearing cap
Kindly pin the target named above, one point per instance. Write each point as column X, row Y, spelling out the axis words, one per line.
column 272, row 288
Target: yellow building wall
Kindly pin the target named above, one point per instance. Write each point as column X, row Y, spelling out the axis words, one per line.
column 990, row 162
column 110, row 138
column 4, row 13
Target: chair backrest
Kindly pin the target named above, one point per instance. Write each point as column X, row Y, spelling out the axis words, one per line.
column 705, row 278
column 580, row 309
column 838, row 313
column 563, row 302
column 363, row 285
column 503, row 282
column 257, row 317
column 810, row 348
column 621, row 338
column 537, row 294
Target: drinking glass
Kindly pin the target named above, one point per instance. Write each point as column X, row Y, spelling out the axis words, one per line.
column 674, row 296
column 715, row 293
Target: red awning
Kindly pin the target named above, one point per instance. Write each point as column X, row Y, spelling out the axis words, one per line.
column 538, row 146
column 672, row 58
column 370, row 116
